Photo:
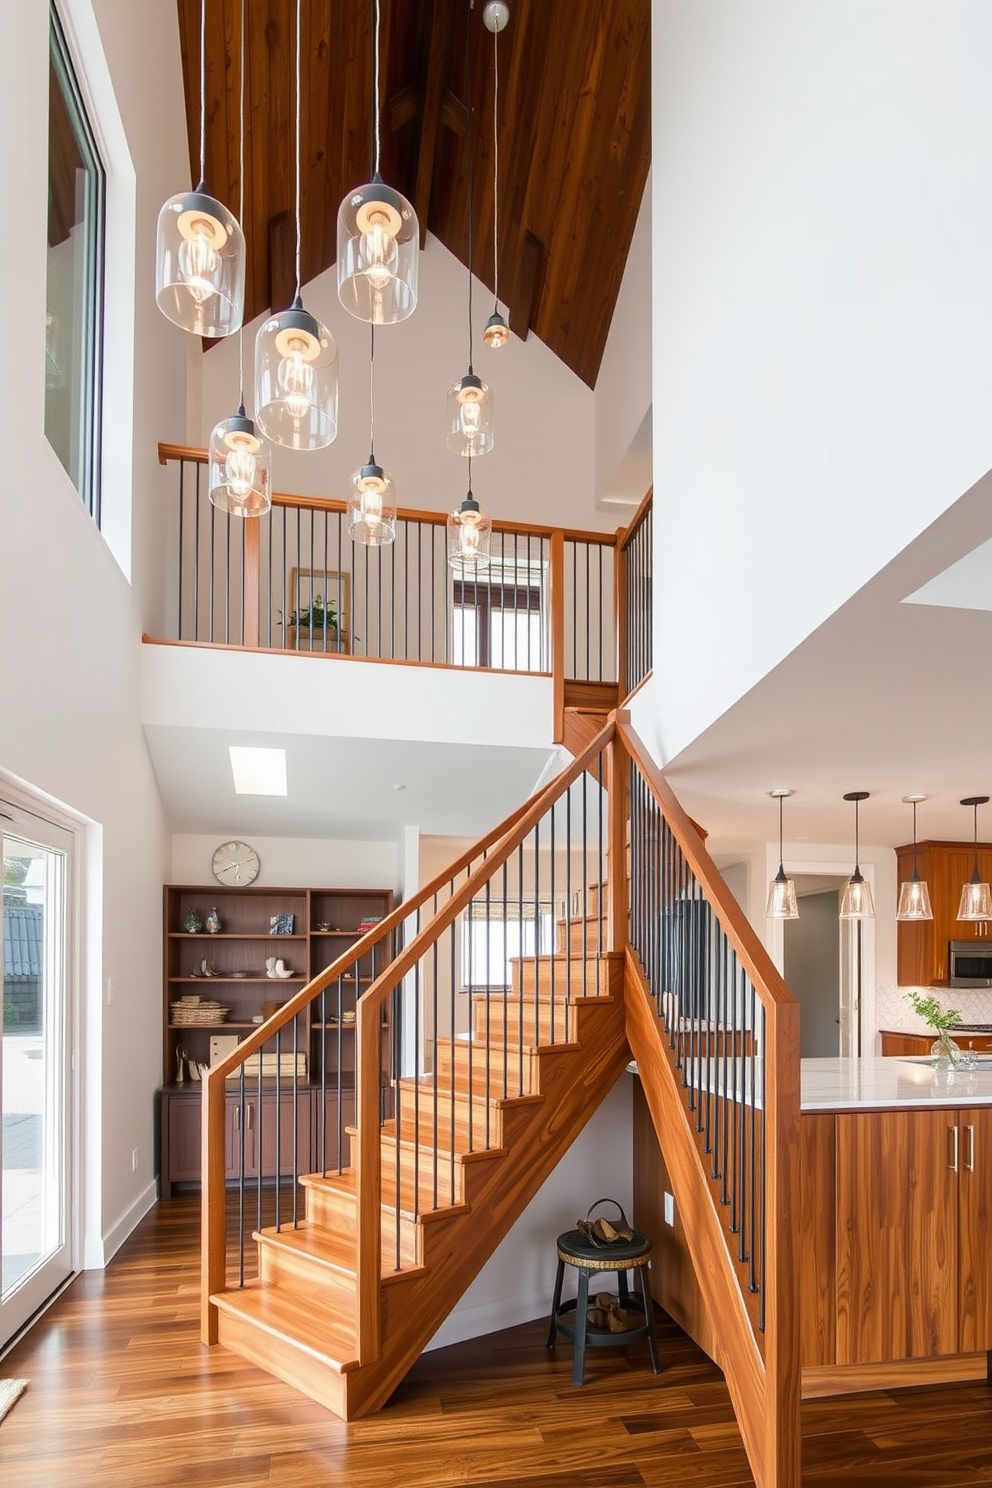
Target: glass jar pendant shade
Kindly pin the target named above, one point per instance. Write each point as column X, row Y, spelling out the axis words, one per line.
column 496, row 332
column 372, row 507
column 470, row 529
column 781, row 902
column 976, row 895
column 200, row 265
column 470, row 417
column 296, row 380
column 914, row 894
column 378, row 254
column 239, row 457
column 858, row 902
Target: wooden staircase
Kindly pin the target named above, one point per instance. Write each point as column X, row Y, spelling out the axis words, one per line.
column 468, row 1147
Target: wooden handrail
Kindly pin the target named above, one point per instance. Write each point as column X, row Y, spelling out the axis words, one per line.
column 167, row 452
column 636, row 519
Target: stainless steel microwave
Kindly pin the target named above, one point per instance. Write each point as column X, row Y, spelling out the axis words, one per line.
column 969, row 964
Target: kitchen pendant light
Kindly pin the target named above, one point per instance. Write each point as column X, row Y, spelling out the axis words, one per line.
column 976, row 895
column 470, row 529
column 914, row 895
column 496, row 333
column 296, row 359
column 857, row 903
column 200, row 248
column 470, row 401
column 378, row 236
column 781, row 903
column 372, row 502
column 239, row 455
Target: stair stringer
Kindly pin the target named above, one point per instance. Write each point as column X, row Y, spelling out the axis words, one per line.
column 536, row 1135
column 738, row 1354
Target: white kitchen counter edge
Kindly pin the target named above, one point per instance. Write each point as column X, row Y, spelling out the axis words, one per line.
column 876, row 1083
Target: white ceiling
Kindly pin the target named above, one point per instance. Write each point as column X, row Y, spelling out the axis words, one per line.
column 889, row 697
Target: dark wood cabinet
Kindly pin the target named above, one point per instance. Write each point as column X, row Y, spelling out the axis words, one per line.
column 922, row 945
column 315, row 927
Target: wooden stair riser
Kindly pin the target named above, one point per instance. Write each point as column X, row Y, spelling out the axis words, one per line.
column 337, row 1211
column 511, row 1070
column 556, row 977
column 457, row 1115
column 438, row 1182
column 532, row 1024
column 297, row 1271
column 280, row 1355
column 576, row 935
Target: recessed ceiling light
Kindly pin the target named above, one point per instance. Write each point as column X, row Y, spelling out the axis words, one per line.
column 258, row 772
column 399, row 786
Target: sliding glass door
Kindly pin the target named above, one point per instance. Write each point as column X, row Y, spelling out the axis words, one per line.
column 35, row 1238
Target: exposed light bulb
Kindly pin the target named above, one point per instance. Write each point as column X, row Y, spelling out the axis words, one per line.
column 470, row 419
column 497, row 332
column 469, row 537
column 295, row 378
column 199, row 262
column 371, row 508
column 240, row 467
column 379, row 254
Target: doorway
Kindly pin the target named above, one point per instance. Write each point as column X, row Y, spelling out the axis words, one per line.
column 811, row 965
column 36, row 1250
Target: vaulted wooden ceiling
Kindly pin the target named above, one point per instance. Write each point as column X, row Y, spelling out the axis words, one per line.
column 574, row 142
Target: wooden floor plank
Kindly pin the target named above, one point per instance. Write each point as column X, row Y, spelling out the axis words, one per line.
column 122, row 1395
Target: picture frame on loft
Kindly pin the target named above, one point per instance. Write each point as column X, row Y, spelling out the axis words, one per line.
column 320, row 615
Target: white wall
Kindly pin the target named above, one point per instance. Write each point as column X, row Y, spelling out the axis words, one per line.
column 69, row 667
column 622, row 397
column 541, row 468
column 295, row 862
column 822, row 311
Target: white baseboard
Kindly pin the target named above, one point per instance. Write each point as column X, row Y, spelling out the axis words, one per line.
column 490, row 1317
column 115, row 1237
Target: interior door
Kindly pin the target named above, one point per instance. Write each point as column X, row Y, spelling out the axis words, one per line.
column 35, row 1087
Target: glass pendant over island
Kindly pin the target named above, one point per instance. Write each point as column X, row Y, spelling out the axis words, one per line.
column 857, row 902
column 976, row 895
column 914, row 893
column 781, row 903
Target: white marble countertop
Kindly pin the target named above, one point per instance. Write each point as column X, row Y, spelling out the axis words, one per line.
column 860, row 1084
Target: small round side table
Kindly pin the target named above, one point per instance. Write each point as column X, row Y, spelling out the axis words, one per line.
column 575, row 1250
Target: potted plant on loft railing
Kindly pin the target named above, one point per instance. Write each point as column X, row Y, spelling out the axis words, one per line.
column 314, row 627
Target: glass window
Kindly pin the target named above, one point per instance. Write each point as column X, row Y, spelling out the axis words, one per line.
column 499, row 619
column 74, row 299
column 495, row 934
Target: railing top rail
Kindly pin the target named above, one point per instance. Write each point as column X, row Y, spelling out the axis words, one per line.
column 411, row 954
column 167, row 452
column 386, row 926
column 751, row 953
column 637, row 518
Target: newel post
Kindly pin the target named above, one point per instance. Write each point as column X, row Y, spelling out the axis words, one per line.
column 213, row 1261
column 368, row 1164
column 558, row 636
column 251, row 582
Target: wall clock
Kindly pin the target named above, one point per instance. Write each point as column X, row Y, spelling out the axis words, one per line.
column 235, row 864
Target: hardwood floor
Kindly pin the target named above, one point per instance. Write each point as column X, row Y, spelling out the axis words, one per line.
column 122, row 1395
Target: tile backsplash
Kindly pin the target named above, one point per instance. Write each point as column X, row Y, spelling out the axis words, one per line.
column 894, row 1011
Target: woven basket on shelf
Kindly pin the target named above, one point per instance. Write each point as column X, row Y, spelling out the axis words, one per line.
column 198, row 1012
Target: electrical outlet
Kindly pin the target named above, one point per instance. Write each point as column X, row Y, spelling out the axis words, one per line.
column 670, row 1209
column 111, row 990
column 134, row 1159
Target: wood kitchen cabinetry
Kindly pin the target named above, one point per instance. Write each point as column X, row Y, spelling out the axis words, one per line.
column 922, row 944
column 915, row 1044
column 324, row 925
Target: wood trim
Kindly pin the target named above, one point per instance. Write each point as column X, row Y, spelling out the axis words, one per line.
column 781, row 1273
column 558, row 637
column 616, row 880
column 637, row 518
column 368, row 1160
column 251, row 581
column 212, row 1229
column 755, row 959
column 846, row 1379
column 590, row 697
column 632, row 694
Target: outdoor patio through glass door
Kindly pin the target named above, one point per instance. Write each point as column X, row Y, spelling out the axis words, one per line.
column 35, row 1248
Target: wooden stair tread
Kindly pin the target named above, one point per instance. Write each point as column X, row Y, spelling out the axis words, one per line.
column 297, row 1320
column 345, row 1183
column 411, row 1083
column 444, row 1154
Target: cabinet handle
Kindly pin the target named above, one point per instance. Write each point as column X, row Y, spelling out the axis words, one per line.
column 952, row 1148
column 249, row 1122
column 969, row 1149
column 237, row 1119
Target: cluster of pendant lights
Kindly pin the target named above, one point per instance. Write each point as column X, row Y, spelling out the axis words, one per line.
column 200, row 273
column 857, row 902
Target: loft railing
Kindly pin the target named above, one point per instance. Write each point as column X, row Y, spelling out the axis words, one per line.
column 546, row 599
column 716, row 1034
column 634, row 610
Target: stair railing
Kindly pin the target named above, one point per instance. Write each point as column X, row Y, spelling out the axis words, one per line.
column 264, row 1108
column 715, row 1032
column 635, row 614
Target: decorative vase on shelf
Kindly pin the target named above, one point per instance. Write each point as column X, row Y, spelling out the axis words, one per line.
column 946, row 1054
column 193, row 923
column 213, row 922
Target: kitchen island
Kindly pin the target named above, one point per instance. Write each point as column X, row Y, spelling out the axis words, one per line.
column 895, row 1208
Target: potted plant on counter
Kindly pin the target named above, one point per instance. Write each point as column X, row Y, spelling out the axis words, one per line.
column 946, row 1053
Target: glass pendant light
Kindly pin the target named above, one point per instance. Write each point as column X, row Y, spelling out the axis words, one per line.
column 914, row 895
column 781, row 903
column 296, row 359
column 200, row 248
column 976, row 896
column 239, row 455
column 470, row 530
column 378, row 237
column 470, row 402
column 497, row 332
column 372, row 502
column 857, row 903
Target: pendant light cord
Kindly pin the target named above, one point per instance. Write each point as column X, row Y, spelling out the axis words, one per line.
column 468, row 139
column 780, row 859
column 203, row 91
column 376, row 21
column 372, row 394
column 976, row 839
column 241, row 203
column 915, row 874
column 857, row 851
column 299, row 110
column 496, row 169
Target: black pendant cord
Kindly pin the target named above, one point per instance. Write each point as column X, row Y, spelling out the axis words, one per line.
column 857, row 847
column 468, row 139
column 915, row 874
column 372, row 394
column 241, row 203
column 781, row 862
column 976, row 875
column 375, row 88
column 203, row 92
column 299, row 192
column 495, row 172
